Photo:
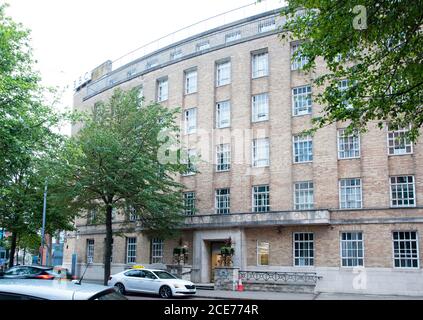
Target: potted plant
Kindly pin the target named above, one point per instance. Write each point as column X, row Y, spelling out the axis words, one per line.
column 180, row 253
column 226, row 252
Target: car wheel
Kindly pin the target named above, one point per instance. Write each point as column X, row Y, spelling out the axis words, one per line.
column 165, row 292
column 120, row 287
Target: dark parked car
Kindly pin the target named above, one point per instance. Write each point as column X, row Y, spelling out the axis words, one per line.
column 29, row 272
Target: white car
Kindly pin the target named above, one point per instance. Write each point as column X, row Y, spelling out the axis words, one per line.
column 151, row 281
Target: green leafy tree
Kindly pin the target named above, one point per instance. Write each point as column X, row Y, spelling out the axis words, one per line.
column 376, row 45
column 26, row 135
column 114, row 163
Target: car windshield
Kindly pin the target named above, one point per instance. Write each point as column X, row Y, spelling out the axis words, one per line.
column 164, row 275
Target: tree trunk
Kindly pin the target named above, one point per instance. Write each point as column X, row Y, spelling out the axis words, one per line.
column 13, row 249
column 24, row 254
column 108, row 244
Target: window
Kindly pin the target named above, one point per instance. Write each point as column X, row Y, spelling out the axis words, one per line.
column 92, row 216
column 260, row 106
column 298, row 60
column 223, row 157
column 176, row 54
column 114, row 213
column 223, row 201
column 301, row 100
column 263, row 253
column 260, row 64
column 350, row 193
column 189, row 203
column 261, row 199
column 131, row 249
column 223, row 114
column 152, row 63
column 141, row 95
column 267, row 25
column 261, row 152
column 352, row 251
column 191, row 155
column 233, row 36
column 303, row 249
column 406, row 249
column 303, row 149
column 132, row 214
column 162, row 90
column 90, row 250
column 348, row 145
column 157, row 250
column 343, row 86
column 190, row 120
column 402, row 191
column 223, row 73
column 304, row 195
column 190, row 81
column 398, row 143
column 202, row 46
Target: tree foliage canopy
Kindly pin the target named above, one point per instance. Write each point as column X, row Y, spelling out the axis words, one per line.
column 376, row 45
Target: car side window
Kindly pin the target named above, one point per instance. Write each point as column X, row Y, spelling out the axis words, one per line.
column 17, row 271
column 132, row 273
column 33, row 271
column 11, row 296
column 149, row 275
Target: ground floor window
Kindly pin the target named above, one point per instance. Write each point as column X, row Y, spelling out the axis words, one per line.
column 303, row 249
column 157, row 250
column 262, row 253
column 131, row 249
column 352, row 252
column 406, row 249
column 90, row 250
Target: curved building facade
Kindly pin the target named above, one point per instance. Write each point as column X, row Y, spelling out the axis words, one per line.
column 349, row 208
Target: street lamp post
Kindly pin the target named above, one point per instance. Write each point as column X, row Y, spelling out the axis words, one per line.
column 44, row 222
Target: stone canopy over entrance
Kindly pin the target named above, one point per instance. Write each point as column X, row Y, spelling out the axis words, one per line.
column 205, row 241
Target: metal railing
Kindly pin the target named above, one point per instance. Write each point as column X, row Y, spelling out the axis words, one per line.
column 286, row 277
column 188, row 42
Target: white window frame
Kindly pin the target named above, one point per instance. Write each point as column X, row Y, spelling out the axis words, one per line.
column 345, row 187
column 413, row 259
column 191, row 78
column 302, row 139
column 299, row 62
column 310, row 258
column 189, row 196
column 344, row 85
column 260, row 152
column 227, row 201
column 260, row 68
column 201, row 46
column 131, row 247
column 341, row 241
column 176, row 54
column 355, row 135
column 190, row 120
column 90, row 250
column 157, row 249
column 191, row 154
column 267, row 25
column 258, row 252
column 223, row 108
column 232, row 36
column 305, row 98
column 303, row 192
column 162, row 89
column 260, row 107
column 408, row 199
column 223, row 73
column 398, row 151
column 225, row 150
column 255, row 193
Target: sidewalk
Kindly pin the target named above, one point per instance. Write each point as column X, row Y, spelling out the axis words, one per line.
column 259, row 295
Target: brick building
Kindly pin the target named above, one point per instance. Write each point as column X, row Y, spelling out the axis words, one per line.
column 347, row 207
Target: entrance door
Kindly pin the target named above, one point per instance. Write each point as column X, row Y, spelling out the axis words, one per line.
column 215, row 257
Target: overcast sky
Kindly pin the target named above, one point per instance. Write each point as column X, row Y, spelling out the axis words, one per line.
column 71, row 37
